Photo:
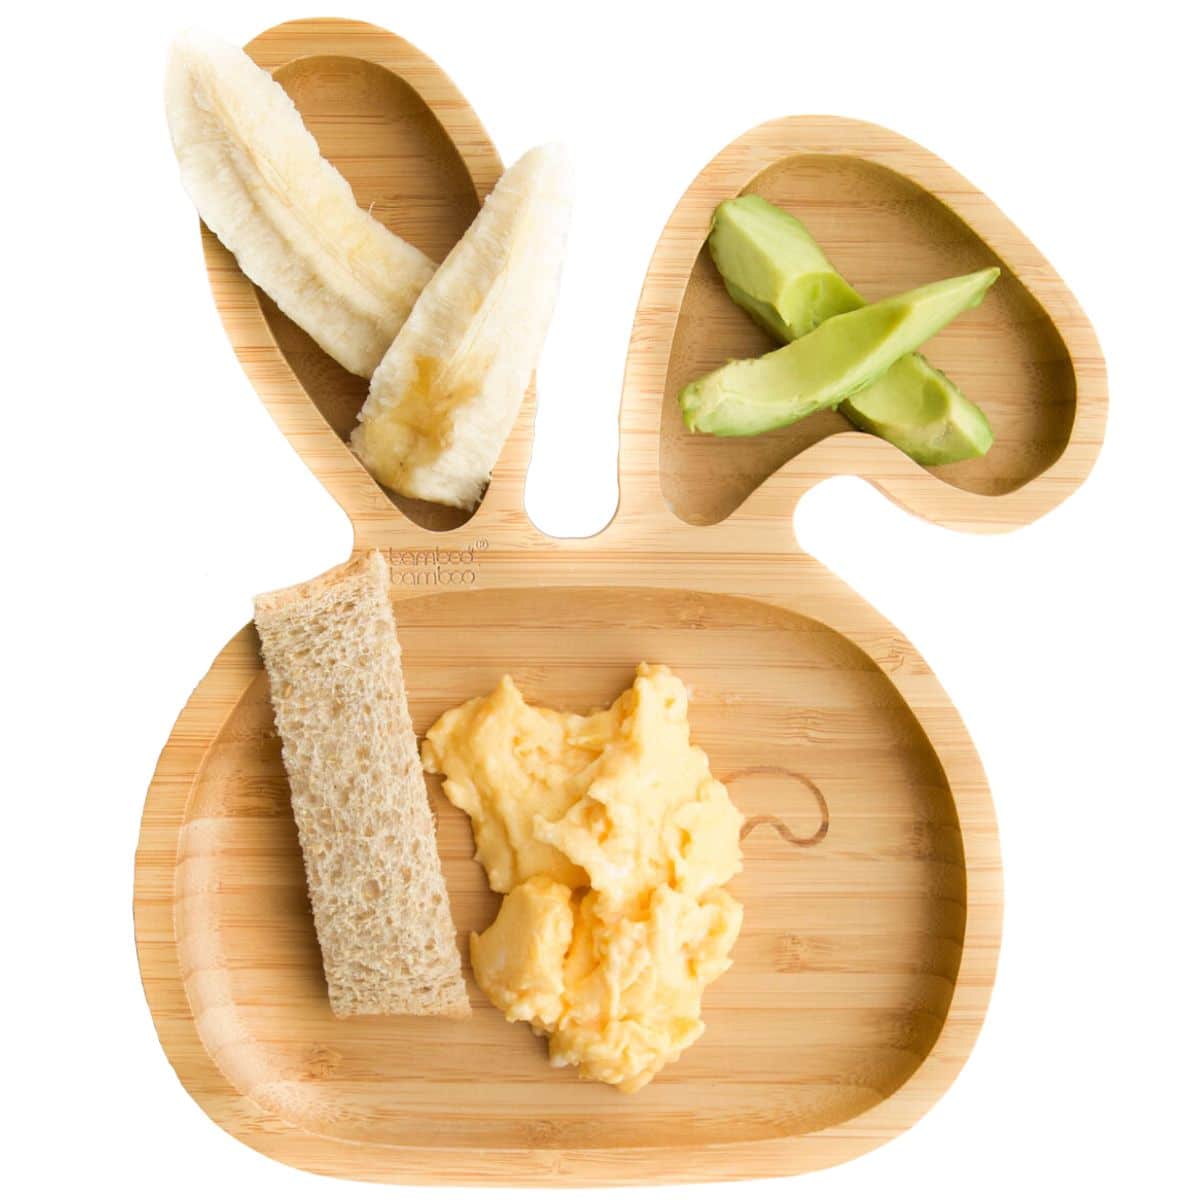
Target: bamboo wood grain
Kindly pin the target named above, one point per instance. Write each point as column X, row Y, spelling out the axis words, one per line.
column 872, row 883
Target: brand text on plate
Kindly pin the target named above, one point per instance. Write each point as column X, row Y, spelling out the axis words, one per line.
column 436, row 566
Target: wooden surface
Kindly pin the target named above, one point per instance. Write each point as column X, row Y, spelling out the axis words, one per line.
column 872, row 883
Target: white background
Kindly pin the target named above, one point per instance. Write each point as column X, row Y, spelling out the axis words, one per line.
column 148, row 496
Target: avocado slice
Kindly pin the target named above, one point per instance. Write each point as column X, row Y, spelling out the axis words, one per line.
column 916, row 408
column 841, row 356
column 774, row 269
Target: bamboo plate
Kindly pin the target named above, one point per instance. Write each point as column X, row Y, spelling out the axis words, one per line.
column 872, row 883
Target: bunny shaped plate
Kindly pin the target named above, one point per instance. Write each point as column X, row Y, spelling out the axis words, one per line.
column 872, row 885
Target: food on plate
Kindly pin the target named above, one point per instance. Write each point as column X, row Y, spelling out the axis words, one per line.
column 611, row 841
column 840, row 357
column 444, row 398
column 920, row 411
column 774, row 269
column 366, row 829
column 449, row 351
column 258, row 179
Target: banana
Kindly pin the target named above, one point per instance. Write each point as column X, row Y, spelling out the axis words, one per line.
column 444, row 398
column 291, row 221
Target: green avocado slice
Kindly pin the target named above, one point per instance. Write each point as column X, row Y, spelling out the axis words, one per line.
column 916, row 408
column 841, row 356
column 774, row 269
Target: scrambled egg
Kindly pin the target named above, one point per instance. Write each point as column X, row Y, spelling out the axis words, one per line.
column 611, row 841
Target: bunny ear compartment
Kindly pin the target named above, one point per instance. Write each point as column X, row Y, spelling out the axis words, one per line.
column 334, row 167
column 805, row 220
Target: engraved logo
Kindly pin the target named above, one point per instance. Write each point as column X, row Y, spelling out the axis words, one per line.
column 437, row 566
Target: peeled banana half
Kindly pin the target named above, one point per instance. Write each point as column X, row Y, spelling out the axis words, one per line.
column 258, row 179
column 444, row 398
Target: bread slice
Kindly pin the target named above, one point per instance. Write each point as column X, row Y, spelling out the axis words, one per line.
column 358, row 794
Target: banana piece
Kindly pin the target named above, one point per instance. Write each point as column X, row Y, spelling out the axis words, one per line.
column 444, row 398
column 291, row 221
